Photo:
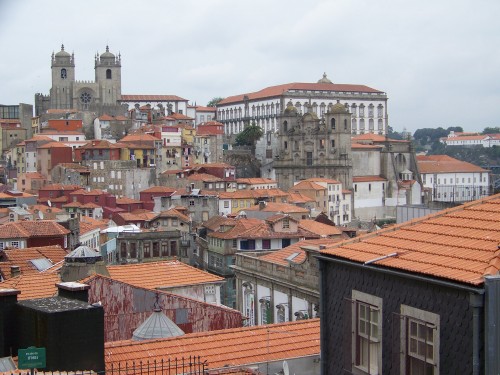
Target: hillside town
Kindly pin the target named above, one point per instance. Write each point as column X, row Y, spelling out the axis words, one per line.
column 277, row 231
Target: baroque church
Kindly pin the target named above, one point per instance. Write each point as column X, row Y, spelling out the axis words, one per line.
column 99, row 96
column 313, row 147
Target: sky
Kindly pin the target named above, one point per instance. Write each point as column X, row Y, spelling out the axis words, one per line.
column 438, row 61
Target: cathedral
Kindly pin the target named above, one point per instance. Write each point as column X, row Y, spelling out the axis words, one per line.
column 99, row 96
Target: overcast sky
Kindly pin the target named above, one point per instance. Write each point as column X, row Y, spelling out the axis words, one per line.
column 438, row 61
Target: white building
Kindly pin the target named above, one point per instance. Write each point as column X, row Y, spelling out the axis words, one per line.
column 452, row 180
column 367, row 105
column 465, row 139
column 201, row 114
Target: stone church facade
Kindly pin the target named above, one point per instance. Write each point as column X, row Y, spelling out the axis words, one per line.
column 99, row 96
column 313, row 147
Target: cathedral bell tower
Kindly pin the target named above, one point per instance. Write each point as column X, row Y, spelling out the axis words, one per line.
column 63, row 77
column 108, row 77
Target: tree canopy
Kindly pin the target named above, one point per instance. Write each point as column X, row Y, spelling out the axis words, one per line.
column 214, row 101
column 249, row 136
column 491, row 130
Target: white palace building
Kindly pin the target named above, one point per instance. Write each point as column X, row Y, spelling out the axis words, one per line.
column 368, row 106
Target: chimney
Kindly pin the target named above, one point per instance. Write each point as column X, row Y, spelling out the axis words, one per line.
column 15, row 271
column 74, row 290
column 8, row 321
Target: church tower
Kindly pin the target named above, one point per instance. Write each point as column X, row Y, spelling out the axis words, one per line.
column 108, row 77
column 313, row 147
column 63, row 77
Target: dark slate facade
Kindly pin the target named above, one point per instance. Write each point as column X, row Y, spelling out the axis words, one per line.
column 453, row 303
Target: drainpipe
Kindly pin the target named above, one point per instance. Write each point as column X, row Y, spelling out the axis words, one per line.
column 476, row 302
column 322, row 333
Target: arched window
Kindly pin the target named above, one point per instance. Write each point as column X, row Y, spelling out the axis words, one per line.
column 332, row 123
column 345, row 124
column 64, row 74
column 285, row 126
column 108, row 73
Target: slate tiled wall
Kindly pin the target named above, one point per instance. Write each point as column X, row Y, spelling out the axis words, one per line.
column 452, row 305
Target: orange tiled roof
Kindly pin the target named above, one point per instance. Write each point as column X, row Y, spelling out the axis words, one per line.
column 319, row 228
column 26, row 229
column 445, row 164
column 174, row 213
column 274, row 91
column 307, row 185
column 280, row 256
column 39, row 285
column 159, row 189
column 278, row 207
column 22, row 257
column 151, row 98
column 255, row 181
column 205, row 177
column 54, row 145
column 141, row 137
column 87, row 227
column 459, row 244
column 126, row 200
column 161, row 275
column 226, row 347
column 368, row 179
column 298, row 197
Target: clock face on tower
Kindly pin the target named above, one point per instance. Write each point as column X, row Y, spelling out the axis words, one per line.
column 85, row 97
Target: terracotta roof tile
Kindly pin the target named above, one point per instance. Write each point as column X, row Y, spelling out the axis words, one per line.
column 319, row 228
column 368, row 179
column 39, row 285
column 445, row 164
column 159, row 189
column 274, row 91
column 227, row 347
column 26, row 229
column 460, row 244
column 285, row 208
column 255, row 181
column 161, row 275
column 280, row 256
column 22, row 257
column 151, row 98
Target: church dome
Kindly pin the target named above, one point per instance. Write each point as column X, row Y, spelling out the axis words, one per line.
column 107, row 54
column 324, row 79
column 62, row 52
column 338, row 108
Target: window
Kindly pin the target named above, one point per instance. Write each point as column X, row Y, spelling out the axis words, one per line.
column 266, row 244
column 191, row 202
column 108, row 73
column 286, row 223
column 147, row 250
column 173, row 248
column 14, row 244
column 226, row 204
column 309, row 158
column 419, row 341
column 265, row 311
column 123, row 250
column 332, row 123
column 64, row 73
column 367, row 333
column 156, row 249
column 133, row 250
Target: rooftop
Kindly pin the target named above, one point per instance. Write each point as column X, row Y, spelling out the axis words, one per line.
column 154, row 275
column 445, row 164
column 459, row 244
column 227, row 347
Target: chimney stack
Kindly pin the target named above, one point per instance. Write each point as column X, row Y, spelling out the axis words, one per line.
column 74, row 290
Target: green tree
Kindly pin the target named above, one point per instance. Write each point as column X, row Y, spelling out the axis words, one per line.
column 214, row 101
column 392, row 134
column 491, row 130
column 249, row 136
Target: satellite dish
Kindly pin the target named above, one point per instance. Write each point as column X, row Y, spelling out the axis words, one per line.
column 286, row 371
column 49, row 203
